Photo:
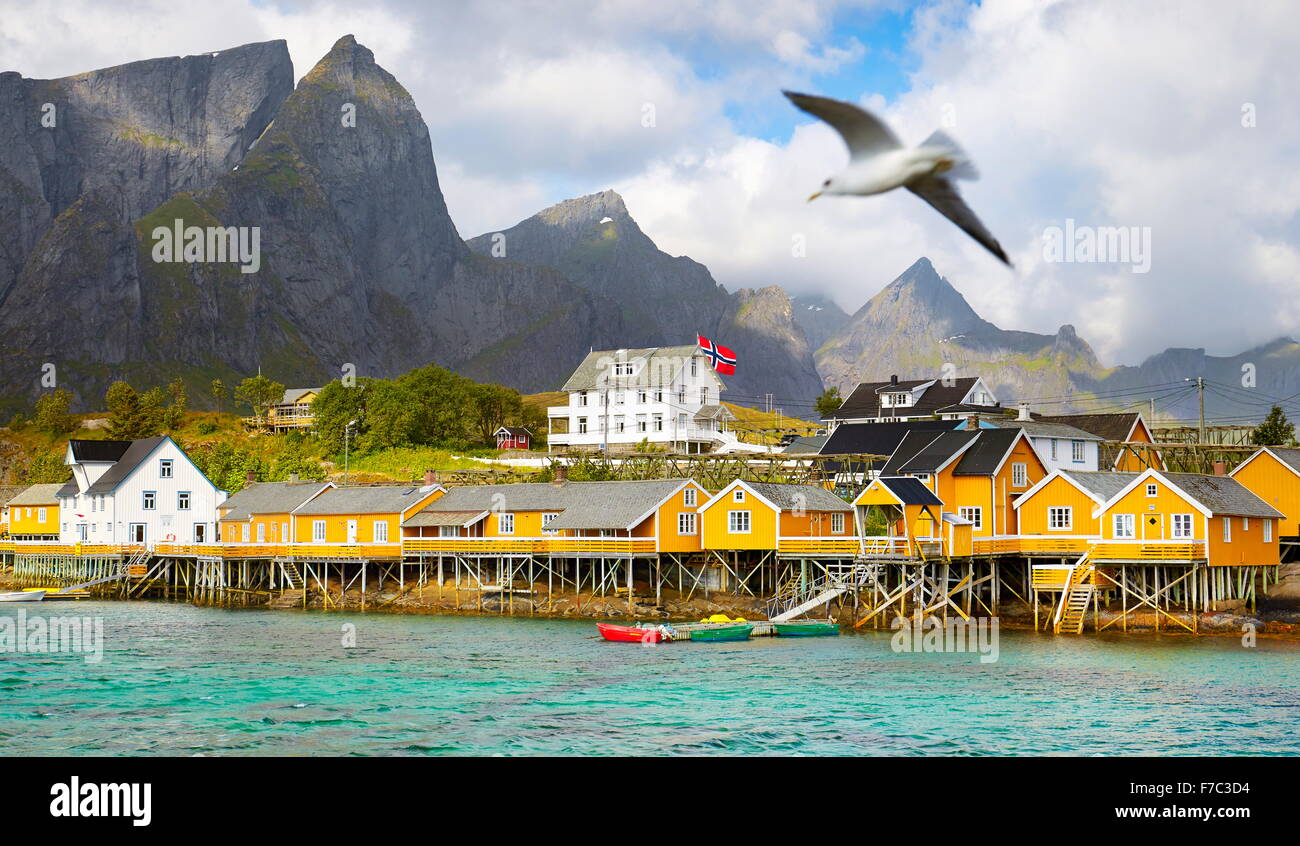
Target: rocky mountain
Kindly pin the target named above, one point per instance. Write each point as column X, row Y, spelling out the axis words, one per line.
column 919, row 322
column 663, row 299
column 819, row 317
column 359, row 260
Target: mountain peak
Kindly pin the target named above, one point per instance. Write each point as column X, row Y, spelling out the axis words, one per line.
column 592, row 208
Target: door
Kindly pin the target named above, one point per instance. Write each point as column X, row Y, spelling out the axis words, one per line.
column 136, row 533
column 1153, row 527
column 81, row 531
column 200, row 532
column 352, row 531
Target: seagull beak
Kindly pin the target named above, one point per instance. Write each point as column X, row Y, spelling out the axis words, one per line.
column 814, row 196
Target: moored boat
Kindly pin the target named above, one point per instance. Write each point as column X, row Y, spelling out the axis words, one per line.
column 633, row 634
column 806, row 628
column 23, row 596
column 64, row 593
column 723, row 633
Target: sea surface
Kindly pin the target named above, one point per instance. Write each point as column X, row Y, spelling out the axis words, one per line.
column 181, row 680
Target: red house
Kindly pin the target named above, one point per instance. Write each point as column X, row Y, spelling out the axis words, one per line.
column 513, row 437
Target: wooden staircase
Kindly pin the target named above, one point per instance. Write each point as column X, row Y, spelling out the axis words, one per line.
column 1080, row 587
column 289, row 569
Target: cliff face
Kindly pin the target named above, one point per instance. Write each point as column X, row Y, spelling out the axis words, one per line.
column 662, row 299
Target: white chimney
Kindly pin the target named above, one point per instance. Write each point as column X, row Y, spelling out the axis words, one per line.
column 1024, row 412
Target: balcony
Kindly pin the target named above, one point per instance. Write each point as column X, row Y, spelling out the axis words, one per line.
column 561, row 546
column 843, row 547
column 1134, row 550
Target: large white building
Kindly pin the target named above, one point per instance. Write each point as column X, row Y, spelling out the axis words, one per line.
column 139, row 492
column 666, row 396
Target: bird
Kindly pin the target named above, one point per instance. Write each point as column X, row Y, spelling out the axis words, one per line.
column 878, row 162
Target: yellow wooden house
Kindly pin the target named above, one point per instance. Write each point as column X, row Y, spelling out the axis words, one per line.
column 358, row 520
column 1273, row 474
column 788, row 519
column 33, row 514
column 262, row 512
column 914, row 519
column 1062, row 513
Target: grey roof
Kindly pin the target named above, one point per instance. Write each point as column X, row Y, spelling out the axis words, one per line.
column 926, row 451
column 581, row 505
column 425, row 517
column 989, row 451
column 8, row 492
column 910, row 490
column 1289, row 456
column 37, row 495
column 808, row 444
column 292, row 395
column 376, row 499
column 133, row 457
column 1102, row 484
column 69, row 488
column 610, row 505
column 807, row 497
column 1223, row 495
column 1111, row 427
column 864, row 400
column 270, row 498
column 714, row 412
column 1040, row 429
column 656, row 367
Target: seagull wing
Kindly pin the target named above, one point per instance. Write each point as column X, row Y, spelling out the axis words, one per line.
column 862, row 131
column 942, row 194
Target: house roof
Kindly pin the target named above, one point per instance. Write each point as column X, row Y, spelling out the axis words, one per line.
column 375, row 499
column 714, row 412
column 292, row 395
column 69, row 488
column 98, row 450
column 513, row 431
column 1042, row 429
column 927, row 452
column 910, row 490
column 987, row 453
column 270, row 498
column 1101, row 485
column 424, row 517
column 611, row 505
column 878, row 438
column 658, row 367
column 806, row 445
column 1111, row 427
column 808, row 497
column 136, row 453
column 1289, row 456
column 864, row 400
column 42, row 494
column 8, row 492
column 1222, row 495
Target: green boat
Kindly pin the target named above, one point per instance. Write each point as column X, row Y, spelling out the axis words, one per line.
column 806, row 628
column 723, row 632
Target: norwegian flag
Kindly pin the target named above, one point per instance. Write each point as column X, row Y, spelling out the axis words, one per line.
column 722, row 358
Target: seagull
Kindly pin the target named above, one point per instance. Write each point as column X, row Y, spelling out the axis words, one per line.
column 878, row 162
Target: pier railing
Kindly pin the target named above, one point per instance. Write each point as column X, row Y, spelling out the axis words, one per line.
column 845, row 547
column 553, row 545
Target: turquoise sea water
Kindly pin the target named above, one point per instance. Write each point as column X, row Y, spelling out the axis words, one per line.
column 179, row 680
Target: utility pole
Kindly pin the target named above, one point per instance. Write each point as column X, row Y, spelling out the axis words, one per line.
column 1200, row 396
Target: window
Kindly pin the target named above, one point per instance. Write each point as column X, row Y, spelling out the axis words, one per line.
column 183, row 500
column 622, row 368
column 1053, row 449
column 582, row 425
column 547, row 518
column 582, row 397
column 898, row 399
column 150, row 499
column 704, row 396
column 695, row 366
column 165, row 468
column 975, row 514
column 658, row 422
column 449, row 531
column 243, row 532
column 318, row 531
column 618, row 398
column 641, row 397
column 686, row 523
column 1124, row 526
column 261, row 533
column 1245, row 524
column 1268, row 531
column 505, row 524
column 659, row 396
column 1153, row 489
column 837, row 522
column 40, row 515
column 681, row 396
column 1182, row 526
column 640, row 423
column 688, row 497
column 380, row 532
column 620, row 424
column 1019, row 475
column 738, row 495
column 1227, row 530
column 1076, row 451
column 1060, row 517
column 738, row 522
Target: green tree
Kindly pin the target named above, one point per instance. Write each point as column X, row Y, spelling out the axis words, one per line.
column 52, row 415
column 173, row 416
column 493, row 407
column 259, row 393
column 219, row 394
column 46, row 468
column 333, row 408
column 1276, row 430
column 131, row 415
column 829, row 402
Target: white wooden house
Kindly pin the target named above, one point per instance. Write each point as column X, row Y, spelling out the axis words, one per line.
column 145, row 491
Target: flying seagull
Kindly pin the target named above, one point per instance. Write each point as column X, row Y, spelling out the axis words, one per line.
column 879, row 163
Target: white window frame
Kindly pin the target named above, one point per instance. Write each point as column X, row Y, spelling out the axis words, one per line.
column 1060, row 518
column 41, row 514
column 1054, row 441
column 165, row 468
column 379, row 531
column 183, row 500
column 837, row 522
column 687, row 524
column 1128, row 521
column 973, row 513
column 505, row 523
column 243, row 532
column 148, row 500
column 736, row 518
column 548, row 516
column 1153, row 489
column 1077, row 452
column 582, row 425
column 1245, row 524
column 1227, row 530
column 1181, row 527
column 1268, row 530
column 689, row 497
column 1019, row 474
column 738, row 495
column 318, row 531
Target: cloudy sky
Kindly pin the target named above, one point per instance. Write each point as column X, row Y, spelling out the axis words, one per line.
column 1178, row 118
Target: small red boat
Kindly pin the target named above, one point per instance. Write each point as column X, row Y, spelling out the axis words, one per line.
column 630, row 634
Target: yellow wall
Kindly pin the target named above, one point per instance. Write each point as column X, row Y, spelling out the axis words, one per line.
column 1058, row 493
column 1166, row 503
column 21, row 523
column 336, row 530
column 277, row 529
column 1276, row 484
column 1247, row 546
column 669, row 540
column 1147, row 458
column 762, row 533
